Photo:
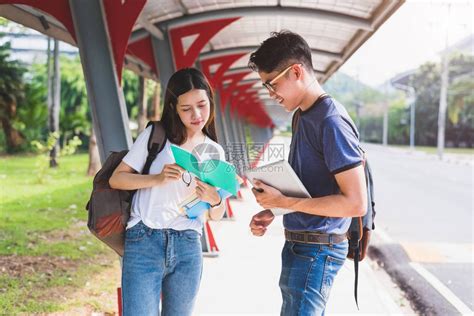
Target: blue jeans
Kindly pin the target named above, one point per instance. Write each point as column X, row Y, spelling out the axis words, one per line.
column 160, row 261
column 307, row 275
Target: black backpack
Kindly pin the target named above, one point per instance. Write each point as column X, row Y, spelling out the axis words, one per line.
column 361, row 227
column 109, row 209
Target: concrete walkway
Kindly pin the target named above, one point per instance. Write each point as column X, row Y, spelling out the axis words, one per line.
column 243, row 279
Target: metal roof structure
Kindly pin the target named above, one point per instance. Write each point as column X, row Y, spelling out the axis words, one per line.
column 156, row 37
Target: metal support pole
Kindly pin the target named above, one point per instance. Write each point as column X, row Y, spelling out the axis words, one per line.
column 412, row 123
column 385, row 126
column 109, row 115
column 163, row 59
column 219, row 120
column 443, row 104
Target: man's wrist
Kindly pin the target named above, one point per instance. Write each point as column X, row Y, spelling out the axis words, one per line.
column 284, row 201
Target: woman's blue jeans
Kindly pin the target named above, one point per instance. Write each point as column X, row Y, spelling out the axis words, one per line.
column 308, row 272
column 160, row 261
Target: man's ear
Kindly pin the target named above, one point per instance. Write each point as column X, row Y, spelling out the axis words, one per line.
column 298, row 71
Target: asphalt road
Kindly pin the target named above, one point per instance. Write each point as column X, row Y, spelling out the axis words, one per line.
column 425, row 207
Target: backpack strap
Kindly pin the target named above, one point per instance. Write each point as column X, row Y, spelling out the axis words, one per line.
column 356, row 271
column 355, row 235
column 156, row 143
column 295, row 120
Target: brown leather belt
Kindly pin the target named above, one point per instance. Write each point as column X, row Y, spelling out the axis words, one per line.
column 314, row 238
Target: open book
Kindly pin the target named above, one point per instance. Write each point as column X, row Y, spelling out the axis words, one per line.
column 193, row 207
column 217, row 173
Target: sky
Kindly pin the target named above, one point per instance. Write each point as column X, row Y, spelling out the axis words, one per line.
column 416, row 33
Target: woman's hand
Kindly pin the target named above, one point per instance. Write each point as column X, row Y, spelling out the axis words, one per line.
column 207, row 193
column 170, row 172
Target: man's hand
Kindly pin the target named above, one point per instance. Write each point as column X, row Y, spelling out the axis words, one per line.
column 260, row 221
column 266, row 195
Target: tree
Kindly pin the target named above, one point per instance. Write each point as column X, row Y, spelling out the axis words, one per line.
column 364, row 104
column 130, row 88
column 32, row 112
column 427, row 83
column 75, row 111
column 94, row 158
column 54, row 95
column 155, row 100
column 460, row 125
column 398, row 122
column 11, row 92
column 75, row 118
column 142, row 104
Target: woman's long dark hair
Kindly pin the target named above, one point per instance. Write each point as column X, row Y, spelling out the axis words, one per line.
column 183, row 81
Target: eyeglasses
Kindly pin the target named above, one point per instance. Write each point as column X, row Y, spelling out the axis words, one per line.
column 188, row 180
column 270, row 84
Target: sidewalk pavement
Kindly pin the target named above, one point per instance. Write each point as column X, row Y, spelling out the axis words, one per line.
column 243, row 279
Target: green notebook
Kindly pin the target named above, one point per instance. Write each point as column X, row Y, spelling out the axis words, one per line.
column 217, row 173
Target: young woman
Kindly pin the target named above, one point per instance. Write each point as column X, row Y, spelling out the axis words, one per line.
column 162, row 245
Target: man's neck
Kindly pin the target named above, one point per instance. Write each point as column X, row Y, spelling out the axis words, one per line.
column 313, row 92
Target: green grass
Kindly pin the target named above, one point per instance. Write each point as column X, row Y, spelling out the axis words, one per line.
column 286, row 134
column 42, row 214
column 29, row 208
column 22, row 296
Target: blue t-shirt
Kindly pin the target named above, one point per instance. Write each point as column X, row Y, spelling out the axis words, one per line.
column 324, row 143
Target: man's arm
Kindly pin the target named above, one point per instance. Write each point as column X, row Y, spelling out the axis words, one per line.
column 351, row 202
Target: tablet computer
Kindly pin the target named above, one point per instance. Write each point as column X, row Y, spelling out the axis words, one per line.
column 282, row 177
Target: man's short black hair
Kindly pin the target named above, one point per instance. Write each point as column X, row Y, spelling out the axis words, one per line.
column 279, row 51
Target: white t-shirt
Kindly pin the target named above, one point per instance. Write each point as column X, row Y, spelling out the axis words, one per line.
column 157, row 206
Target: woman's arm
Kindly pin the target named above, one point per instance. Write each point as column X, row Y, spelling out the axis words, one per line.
column 208, row 193
column 126, row 178
column 216, row 213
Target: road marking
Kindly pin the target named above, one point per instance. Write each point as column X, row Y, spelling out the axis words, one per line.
column 423, row 252
column 439, row 252
column 442, row 289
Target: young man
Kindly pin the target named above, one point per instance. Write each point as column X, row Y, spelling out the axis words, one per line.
column 325, row 155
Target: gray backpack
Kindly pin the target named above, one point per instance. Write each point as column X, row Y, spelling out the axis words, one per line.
column 109, row 209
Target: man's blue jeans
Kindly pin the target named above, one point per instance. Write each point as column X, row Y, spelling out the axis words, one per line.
column 160, row 261
column 307, row 275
